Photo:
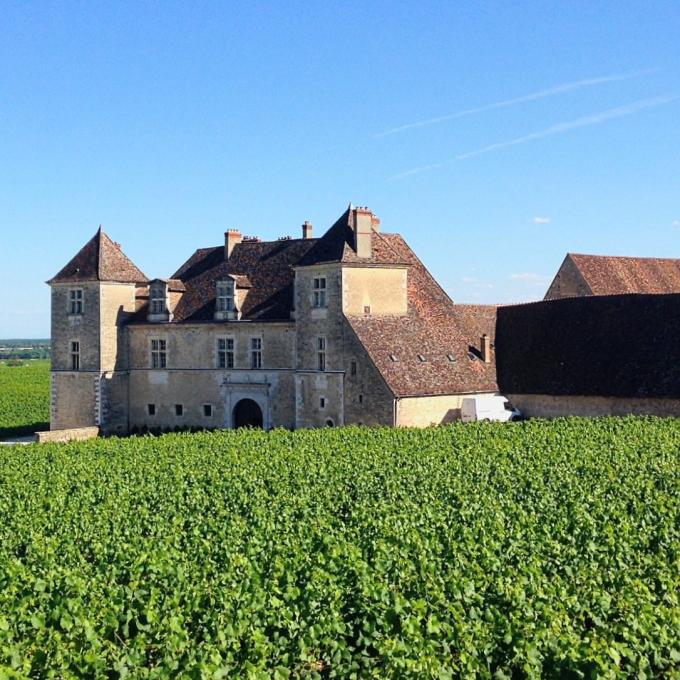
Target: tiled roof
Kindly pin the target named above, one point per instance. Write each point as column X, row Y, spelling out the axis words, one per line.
column 100, row 259
column 434, row 328
column 618, row 275
column 263, row 267
column 616, row 346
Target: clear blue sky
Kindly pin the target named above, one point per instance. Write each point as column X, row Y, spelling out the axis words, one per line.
column 171, row 122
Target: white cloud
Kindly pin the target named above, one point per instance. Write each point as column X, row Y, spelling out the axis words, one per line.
column 542, row 94
column 542, row 220
column 560, row 128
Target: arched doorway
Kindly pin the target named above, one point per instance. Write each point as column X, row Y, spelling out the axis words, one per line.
column 247, row 413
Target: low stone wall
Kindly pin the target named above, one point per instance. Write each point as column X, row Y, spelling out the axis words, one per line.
column 426, row 411
column 74, row 434
column 550, row 406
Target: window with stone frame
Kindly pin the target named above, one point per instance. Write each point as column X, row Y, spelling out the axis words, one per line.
column 75, row 301
column 321, row 353
column 158, row 301
column 319, row 289
column 225, row 296
column 255, row 352
column 75, row 355
column 159, row 356
column 225, row 352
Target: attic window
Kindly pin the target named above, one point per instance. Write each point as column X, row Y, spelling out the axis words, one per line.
column 451, row 358
column 225, row 296
column 472, row 356
column 158, row 298
column 421, row 358
column 394, row 357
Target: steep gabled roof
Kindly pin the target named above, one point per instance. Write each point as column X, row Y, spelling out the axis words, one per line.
column 610, row 346
column 100, row 259
column 433, row 329
column 606, row 275
column 265, row 268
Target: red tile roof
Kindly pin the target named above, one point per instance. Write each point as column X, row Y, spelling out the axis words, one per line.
column 607, row 275
column 100, row 259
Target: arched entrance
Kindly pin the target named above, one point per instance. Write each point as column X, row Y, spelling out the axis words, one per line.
column 247, row 413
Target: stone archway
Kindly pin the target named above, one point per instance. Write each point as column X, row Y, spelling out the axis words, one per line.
column 247, row 413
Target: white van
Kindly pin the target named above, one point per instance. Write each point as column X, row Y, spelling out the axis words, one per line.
column 488, row 408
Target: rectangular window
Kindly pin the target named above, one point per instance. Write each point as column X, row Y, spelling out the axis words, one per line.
column 158, row 301
column 75, row 355
column 353, row 368
column 255, row 352
column 225, row 296
column 322, row 402
column 319, row 291
column 158, row 354
column 151, row 409
column 207, row 410
column 225, row 352
column 179, row 410
column 321, row 354
column 75, row 297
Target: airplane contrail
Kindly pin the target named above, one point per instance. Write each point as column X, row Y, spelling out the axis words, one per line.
column 559, row 128
column 542, row 94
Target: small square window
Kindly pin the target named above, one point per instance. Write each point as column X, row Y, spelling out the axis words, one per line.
column 207, row 410
column 179, row 410
column 151, row 409
column 322, row 402
column 367, row 309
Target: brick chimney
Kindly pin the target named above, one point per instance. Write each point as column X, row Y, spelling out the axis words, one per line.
column 486, row 348
column 307, row 229
column 231, row 238
column 364, row 223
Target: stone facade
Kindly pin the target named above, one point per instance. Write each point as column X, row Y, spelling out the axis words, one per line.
column 568, row 282
column 258, row 333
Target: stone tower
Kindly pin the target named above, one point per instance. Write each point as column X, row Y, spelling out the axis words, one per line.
column 92, row 297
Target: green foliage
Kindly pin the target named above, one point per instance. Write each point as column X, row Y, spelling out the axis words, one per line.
column 537, row 549
column 24, row 398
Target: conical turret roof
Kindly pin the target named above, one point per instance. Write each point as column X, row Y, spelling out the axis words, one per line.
column 100, row 259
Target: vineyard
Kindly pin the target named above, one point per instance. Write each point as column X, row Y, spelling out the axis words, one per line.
column 24, row 398
column 537, row 549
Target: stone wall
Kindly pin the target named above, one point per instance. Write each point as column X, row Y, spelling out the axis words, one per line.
column 550, row 406
column 381, row 289
column 568, row 282
column 74, row 434
column 75, row 399
column 434, row 410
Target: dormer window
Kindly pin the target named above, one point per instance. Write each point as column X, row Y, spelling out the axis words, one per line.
column 158, row 301
column 319, row 291
column 75, row 301
column 225, row 303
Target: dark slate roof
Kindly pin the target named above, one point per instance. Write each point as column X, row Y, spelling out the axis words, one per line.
column 264, row 267
column 433, row 328
column 619, row 275
column 618, row 346
column 336, row 245
column 100, row 259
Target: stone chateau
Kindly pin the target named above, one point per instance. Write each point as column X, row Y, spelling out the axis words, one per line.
column 308, row 332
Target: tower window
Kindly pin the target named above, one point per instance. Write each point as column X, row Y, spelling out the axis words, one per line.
column 225, row 352
column 353, row 368
column 255, row 352
column 75, row 355
column 322, row 402
column 159, row 356
column 179, row 409
column 151, row 409
column 207, row 410
column 75, row 301
column 321, row 353
column 225, row 296
column 319, row 291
